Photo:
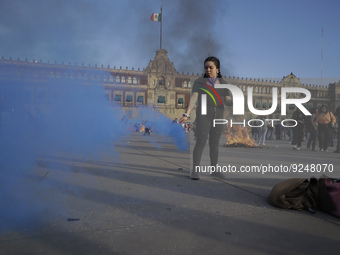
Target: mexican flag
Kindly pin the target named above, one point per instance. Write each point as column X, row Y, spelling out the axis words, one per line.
column 156, row 17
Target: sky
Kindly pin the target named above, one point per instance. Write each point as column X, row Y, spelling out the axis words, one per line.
column 253, row 39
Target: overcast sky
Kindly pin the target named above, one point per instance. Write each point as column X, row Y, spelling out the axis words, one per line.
column 254, row 39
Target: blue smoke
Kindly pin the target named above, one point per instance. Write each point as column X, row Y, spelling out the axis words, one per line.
column 51, row 119
column 162, row 125
column 45, row 119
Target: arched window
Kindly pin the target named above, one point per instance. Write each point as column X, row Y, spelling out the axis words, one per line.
column 134, row 80
column 185, row 84
column 129, row 80
column 117, row 79
column 123, row 79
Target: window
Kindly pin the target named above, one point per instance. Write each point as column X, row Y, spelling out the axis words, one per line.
column 185, row 84
column 134, row 80
column 264, row 105
column 291, row 107
column 180, row 101
column 129, row 98
column 118, row 98
column 258, row 105
column 161, row 100
column 117, row 79
column 123, row 79
column 129, row 80
column 140, row 99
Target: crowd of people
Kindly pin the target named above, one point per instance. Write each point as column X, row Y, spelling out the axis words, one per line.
column 319, row 129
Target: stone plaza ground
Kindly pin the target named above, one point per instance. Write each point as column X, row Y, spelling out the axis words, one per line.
column 145, row 203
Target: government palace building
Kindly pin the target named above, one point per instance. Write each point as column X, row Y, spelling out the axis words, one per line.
column 159, row 86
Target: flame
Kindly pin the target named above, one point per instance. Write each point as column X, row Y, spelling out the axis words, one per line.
column 239, row 136
column 142, row 129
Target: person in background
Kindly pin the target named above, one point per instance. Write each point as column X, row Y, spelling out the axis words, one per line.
column 278, row 131
column 270, row 132
column 215, row 102
column 299, row 129
column 337, row 115
column 175, row 121
column 325, row 120
column 263, row 131
column 294, row 134
column 312, row 126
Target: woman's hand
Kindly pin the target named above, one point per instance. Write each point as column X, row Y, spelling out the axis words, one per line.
column 183, row 119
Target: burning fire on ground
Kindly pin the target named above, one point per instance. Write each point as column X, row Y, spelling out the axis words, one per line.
column 238, row 136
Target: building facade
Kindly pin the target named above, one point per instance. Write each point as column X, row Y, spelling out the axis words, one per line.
column 159, row 86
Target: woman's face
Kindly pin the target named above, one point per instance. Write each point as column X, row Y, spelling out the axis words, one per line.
column 210, row 69
column 323, row 109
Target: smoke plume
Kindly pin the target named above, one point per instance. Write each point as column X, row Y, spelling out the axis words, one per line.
column 46, row 120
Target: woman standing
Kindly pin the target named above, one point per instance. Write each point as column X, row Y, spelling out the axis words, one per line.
column 215, row 98
column 325, row 119
column 312, row 126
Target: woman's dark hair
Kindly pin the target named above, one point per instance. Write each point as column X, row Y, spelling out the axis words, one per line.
column 216, row 61
column 324, row 106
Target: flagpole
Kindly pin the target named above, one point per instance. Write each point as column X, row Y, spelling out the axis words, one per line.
column 161, row 29
column 321, row 53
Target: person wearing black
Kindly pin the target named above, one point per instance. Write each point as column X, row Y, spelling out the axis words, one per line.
column 294, row 129
column 337, row 115
column 312, row 127
column 299, row 128
column 216, row 99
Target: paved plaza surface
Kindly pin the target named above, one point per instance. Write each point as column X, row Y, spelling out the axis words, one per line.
column 142, row 201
